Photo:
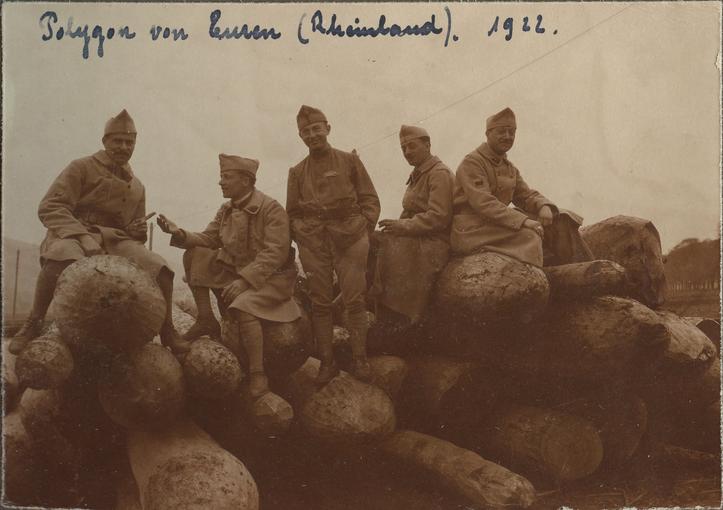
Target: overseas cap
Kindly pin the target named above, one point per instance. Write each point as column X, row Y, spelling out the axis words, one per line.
column 121, row 123
column 229, row 162
column 505, row 118
column 408, row 133
column 309, row 115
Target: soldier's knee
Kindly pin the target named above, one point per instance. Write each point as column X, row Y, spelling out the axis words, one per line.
column 55, row 267
column 529, row 236
column 242, row 316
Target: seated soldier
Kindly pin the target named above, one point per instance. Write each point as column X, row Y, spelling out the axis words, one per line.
column 97, row 206
column 413, row 249
column 485, row 185
column 245, row 256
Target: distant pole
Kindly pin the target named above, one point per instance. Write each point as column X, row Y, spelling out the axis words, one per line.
column 15, row 288
column 150, row 239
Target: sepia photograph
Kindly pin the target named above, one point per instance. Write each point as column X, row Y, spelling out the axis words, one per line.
column 361, row 256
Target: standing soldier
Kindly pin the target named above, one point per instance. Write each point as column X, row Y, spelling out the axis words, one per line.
column 245, row 256
column 415, row 248
column 97, row 205
column 485, row 185
column 333, row 207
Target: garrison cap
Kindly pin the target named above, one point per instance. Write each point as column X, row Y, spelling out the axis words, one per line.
column 309, row 115
column 228, row 162
column 505, row 118
column 408, row 133
column 121, row 123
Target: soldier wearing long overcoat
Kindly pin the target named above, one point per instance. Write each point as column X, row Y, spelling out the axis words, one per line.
column 245, row 256
column 97, row 205
column 486, row 183
column 412, row 250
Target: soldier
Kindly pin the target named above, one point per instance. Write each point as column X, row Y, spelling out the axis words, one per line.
column 333, row 207
column 245, row 256
column 97, row 205
column 486, row 182
column 415, row 248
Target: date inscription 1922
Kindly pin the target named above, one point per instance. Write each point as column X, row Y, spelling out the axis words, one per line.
column 508, row 26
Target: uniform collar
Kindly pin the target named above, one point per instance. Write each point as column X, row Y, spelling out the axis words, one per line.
column 424, row 167
column 251, row 203
column 321, row 153
column 489, row 154
column 123, row 171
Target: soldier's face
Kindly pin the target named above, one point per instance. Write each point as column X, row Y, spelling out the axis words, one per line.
column 416, row 151
column 119, row 147
column 314, row 135
column 501, row 138
column 234, row 184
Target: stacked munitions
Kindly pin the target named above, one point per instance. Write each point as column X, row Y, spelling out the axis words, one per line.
column 554, row 373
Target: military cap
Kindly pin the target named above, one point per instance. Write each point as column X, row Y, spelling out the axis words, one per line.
column 121, row 123
column 309, row 115
column 228, row 162
column 505, row 118
column 408, row 133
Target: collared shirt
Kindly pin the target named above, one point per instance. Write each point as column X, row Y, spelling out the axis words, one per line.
column 427, row 201
column 486, row 183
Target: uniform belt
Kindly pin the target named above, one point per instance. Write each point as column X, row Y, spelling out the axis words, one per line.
column 339, row 213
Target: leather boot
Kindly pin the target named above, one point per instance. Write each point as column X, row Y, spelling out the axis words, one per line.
column 323, row 331
column 360, row 367
column 171, row 339
column 203, row 326
column 252, row 337
column 31, row 329
column 258, row 384
column 44, row 290
column 327, row 371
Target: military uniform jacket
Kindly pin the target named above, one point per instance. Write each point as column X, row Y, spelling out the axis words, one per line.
column 90, row 196
column 427, row 202
column 486, row 184
column 252, row 238
column 331, row 194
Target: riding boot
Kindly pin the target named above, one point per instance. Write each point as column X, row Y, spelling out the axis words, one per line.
column 323, row 331
column 253, row 341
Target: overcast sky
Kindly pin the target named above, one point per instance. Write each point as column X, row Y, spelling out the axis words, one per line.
column 618, row 112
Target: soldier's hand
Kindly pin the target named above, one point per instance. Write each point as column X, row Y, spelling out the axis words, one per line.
column 233, row 290
column 137, row 228
column 534, row 225
column 545, row 215
column 90, row 246
column 390, row 226
column 167, row 225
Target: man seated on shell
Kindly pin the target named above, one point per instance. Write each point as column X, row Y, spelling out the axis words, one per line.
column 413, row 249
column 244, row 255
column 486, row 183
column 96, row 206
